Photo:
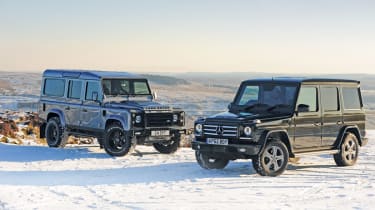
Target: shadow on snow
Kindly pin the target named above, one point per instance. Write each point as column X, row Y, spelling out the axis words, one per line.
column 16, row 153
column 170, row 172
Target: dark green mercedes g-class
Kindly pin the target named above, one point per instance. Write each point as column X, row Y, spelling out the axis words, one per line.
column 272, row 120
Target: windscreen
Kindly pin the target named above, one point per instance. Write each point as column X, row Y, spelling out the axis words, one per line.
column 266, row 97
column 127, row 87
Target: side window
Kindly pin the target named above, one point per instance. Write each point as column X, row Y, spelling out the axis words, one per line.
column 330, row 99
column 75, row 88
column 54, row 87
column 91, row 87
column 307, row 99
column 351, row 98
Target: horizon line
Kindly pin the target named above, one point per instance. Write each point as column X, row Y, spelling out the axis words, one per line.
column 187, row 72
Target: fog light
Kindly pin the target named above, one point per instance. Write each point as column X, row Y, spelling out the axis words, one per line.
column 242, row 149
column 175, row 118
column 138, row 119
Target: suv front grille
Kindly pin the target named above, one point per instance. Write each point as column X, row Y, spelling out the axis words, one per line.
column 157, row 108
column 159, row 119
column 220, row 130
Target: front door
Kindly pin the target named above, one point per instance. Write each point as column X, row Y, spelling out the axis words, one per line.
column 91, row 116
column 307, row 120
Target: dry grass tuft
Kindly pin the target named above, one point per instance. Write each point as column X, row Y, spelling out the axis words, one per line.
column 4, row 139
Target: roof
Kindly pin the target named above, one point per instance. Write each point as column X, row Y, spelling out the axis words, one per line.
column 302, row 80
column 89, row 74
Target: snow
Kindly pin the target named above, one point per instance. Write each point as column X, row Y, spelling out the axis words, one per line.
column 85, row 177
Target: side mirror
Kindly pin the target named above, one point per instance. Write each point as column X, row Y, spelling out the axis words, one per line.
column 303, row 108
column 230, row 105
column 154, row 95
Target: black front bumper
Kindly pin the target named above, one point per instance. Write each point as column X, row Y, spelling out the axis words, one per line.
column 231, row 149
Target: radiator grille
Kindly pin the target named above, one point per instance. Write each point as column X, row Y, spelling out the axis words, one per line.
column 220, row 130
column 159, row 119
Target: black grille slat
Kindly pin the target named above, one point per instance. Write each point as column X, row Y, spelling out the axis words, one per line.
column 159, row 119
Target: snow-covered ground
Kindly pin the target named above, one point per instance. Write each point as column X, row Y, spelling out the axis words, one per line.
column 38, row 177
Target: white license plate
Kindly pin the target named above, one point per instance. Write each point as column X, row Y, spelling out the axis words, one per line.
column 217, row 141
column 160, row 133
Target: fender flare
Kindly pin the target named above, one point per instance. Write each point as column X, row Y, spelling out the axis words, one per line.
column 342, row 133
column 58, row 113
column 125, row 125
column 43, row 124
column 285, row 139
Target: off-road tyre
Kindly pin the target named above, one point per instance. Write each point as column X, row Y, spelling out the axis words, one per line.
column 206, row 161
column 273, row 160
column 348, row 151
column 116, row 141
column 168, row 147
column 54, row 133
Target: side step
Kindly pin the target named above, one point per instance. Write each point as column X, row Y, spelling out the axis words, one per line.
column 324, row 152
column 78, row 134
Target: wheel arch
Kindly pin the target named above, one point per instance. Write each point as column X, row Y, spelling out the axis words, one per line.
column 117, row 119
column 112, row 121
column 348, row 129
column 281, row 135
column 51, row 113
column 57, row 113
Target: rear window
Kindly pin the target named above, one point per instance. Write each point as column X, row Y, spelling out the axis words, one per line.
column 54, row 87
column 351, row 98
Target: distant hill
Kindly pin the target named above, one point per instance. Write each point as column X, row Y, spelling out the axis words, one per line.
column 165, row 80
column 233, row 78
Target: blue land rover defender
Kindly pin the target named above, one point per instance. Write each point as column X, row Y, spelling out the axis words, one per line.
column 117, row 108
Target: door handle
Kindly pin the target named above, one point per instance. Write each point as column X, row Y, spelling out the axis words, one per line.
column 84, row 110
column 317, row 124
column 67, row 108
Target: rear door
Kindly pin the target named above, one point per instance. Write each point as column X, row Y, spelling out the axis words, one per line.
column 307, row 121
column 73, row 103
column 53, row 95
column 353, row 111
column 332, row 120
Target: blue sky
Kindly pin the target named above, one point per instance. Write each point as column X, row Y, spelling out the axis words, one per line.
column 178, row 36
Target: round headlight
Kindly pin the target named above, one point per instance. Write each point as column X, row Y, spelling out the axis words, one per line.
column 247, row 131
column 138, row 119
column 175, row 118
column 198, row 128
